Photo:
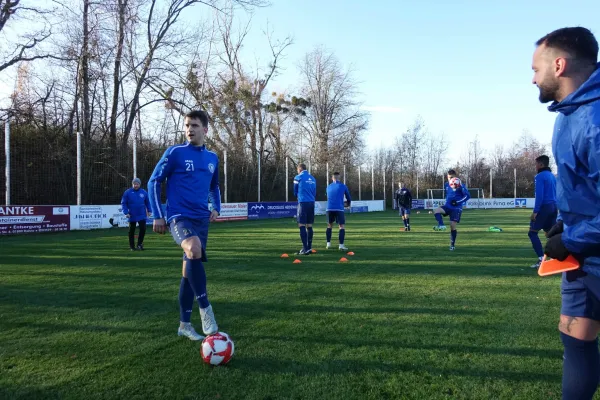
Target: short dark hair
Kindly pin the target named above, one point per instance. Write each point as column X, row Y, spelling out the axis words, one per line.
column 336, row 174
column 302, row 166
column 579, row 42
column 544, row 160
column 451, row 172
column 199, row 114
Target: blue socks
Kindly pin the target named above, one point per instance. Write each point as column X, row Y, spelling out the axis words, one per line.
column 453, row 237
column 342, row 235
column 196, row 277
column 537, row 244
column 328, row 234
column 304, row 237
column 581, row 368
column 439, row 219
column 309, row 230
column 186, row 300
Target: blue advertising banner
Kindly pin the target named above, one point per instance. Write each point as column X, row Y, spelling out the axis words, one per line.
column 265, row 210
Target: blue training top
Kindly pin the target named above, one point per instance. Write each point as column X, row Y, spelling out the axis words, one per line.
column 545, row 189
column 305, row 187
column 192, row 175
column 336, row 192
column 135, row 203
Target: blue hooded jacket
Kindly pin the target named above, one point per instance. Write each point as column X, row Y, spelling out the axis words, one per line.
column 576, row 148
column 135, row 203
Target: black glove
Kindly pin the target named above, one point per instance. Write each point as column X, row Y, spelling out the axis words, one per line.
column 555, row 248
column 556, row 229
column 454, row 203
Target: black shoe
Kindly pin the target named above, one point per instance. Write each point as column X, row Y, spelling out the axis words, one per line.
column 132, row 249
column 140, row 247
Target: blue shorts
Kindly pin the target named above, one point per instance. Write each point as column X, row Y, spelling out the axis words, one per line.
column 580, row 293
column 339, row 217
column 306, row 213
column 404, row 211
column 545, row 219
column 183, row 228
column 453, row 213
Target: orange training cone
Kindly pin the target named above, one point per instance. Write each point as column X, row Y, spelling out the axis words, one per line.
column 350, row 253
column 296, row 261
column 284, row 255
column 343, row 259
column 313, row 251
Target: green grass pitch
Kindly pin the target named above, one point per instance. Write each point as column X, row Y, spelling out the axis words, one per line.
column 82, row 317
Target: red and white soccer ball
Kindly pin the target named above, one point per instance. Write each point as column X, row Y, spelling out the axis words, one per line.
column 455, row 183
column 217, row 349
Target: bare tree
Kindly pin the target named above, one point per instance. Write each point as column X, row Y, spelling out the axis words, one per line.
column 334, row 121
column 35, row 25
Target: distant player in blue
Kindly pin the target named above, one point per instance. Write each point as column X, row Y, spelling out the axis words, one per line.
column 567, row 73
column 305, row 190
column 544, row 211
column 457, row 195
column 336, row 192
column 192, row 176
column 404, row 204
column 136, row 207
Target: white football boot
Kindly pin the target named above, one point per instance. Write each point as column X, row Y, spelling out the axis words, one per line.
column 189, row 332
column 209, row 324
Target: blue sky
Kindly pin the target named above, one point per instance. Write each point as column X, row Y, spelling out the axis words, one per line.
column 464, row 66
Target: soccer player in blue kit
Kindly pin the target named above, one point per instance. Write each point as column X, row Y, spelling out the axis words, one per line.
column 567, row 73
column 336, row 192
column 136, row 207
column 544, row 210
column 404, row 203
column 305, row 190
column 192, row 175
column 457, row 195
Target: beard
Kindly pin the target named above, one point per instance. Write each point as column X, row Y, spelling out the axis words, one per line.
column 548, row 91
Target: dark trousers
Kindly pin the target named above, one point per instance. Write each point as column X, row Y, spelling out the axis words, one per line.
column 142, row 225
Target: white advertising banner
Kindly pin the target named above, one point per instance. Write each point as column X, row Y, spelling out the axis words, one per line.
column 486, row 203
column 233, row 212
column 97, row 217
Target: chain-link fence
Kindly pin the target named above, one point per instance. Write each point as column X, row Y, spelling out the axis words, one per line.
column 43, row 169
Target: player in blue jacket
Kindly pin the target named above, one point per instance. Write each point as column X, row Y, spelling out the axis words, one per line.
column 305, row 190
column 136, row 207
column 544, row 210
column 192, row 175
column 457, row 195
column 404, row 203
column 567, row 73
column 336, row 192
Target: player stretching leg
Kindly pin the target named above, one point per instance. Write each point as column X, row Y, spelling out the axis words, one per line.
column 457, row 195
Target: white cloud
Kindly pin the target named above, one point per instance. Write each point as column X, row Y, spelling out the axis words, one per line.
column 383, row 109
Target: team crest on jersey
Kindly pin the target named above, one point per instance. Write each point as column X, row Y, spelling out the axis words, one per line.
column 142, row 195
column 211, row 168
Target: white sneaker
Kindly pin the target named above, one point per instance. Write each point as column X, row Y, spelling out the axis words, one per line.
column 189, row 332
column 328, row 245
column 209, row 324
column 439, row 228
column 342, row 247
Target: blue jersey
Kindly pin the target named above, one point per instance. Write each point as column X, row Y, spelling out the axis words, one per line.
column 192, row 175
column 545, row 189
column 136, row 204
column 576, row 148
column 335, row 196
column 461, row 195
column 305, row 187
